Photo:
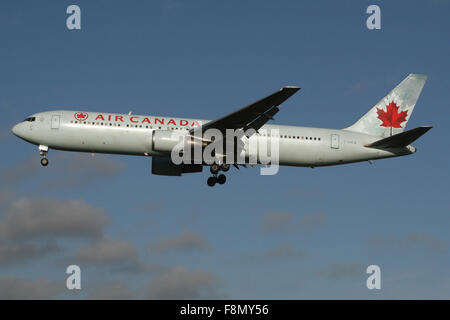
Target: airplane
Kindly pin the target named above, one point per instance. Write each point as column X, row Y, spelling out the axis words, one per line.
column 378, row 134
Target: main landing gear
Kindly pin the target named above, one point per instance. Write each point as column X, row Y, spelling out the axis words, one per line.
column 221, row 178
column 43, row 152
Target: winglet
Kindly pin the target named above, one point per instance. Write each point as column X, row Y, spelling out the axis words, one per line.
column 285, row 93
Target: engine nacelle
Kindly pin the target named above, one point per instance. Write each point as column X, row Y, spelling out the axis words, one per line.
column 165, row 167
column 166, row 140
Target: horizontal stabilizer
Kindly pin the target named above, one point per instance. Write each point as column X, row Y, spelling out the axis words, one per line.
column 401, row 139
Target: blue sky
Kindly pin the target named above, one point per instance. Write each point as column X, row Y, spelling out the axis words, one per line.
column 303, row 233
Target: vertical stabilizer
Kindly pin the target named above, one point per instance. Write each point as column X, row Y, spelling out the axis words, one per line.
column 391, row 114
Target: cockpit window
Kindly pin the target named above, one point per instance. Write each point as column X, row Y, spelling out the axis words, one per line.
column 30, row 119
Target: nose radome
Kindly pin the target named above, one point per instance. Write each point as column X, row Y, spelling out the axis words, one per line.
column 15, row 130
column 18, row 130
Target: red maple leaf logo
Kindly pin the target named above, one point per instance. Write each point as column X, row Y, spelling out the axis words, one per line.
column 391, row 117
column 81, row 116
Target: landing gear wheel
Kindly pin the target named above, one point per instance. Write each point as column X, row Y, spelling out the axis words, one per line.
column 211, row 181
column 225, row 167
column 44, row 162
column 221, row 179
column 214, row 168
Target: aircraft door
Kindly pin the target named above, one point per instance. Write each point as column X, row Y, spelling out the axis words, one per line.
column 55, row 121
column 334, row 141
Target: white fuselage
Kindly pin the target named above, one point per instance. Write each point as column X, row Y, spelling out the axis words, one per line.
column 133, row 135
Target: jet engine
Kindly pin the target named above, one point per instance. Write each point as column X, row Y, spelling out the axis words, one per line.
column 165, row 167
column 166, row 140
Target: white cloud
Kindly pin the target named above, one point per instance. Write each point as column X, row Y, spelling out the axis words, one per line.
column 30, row 227
column 107, row 252
column 285, row 221
column 72, row 169
column 28, row 218
column 286, row 251
column 111, row 291
column 343, row 270
column 12, row 288
column 310, row 221
column 413, row 240
column 187, row 240
column 19, row 252
column 181, row 283
column 276, row 221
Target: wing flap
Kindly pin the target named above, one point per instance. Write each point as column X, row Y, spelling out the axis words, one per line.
column 262, row 119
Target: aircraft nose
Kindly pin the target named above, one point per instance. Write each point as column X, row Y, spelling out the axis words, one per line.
column 16, row 130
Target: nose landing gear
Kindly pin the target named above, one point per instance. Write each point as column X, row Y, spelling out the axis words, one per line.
column 44, row 161
column 43, row 152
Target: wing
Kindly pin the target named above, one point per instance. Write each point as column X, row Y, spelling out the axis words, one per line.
column 254, row 115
